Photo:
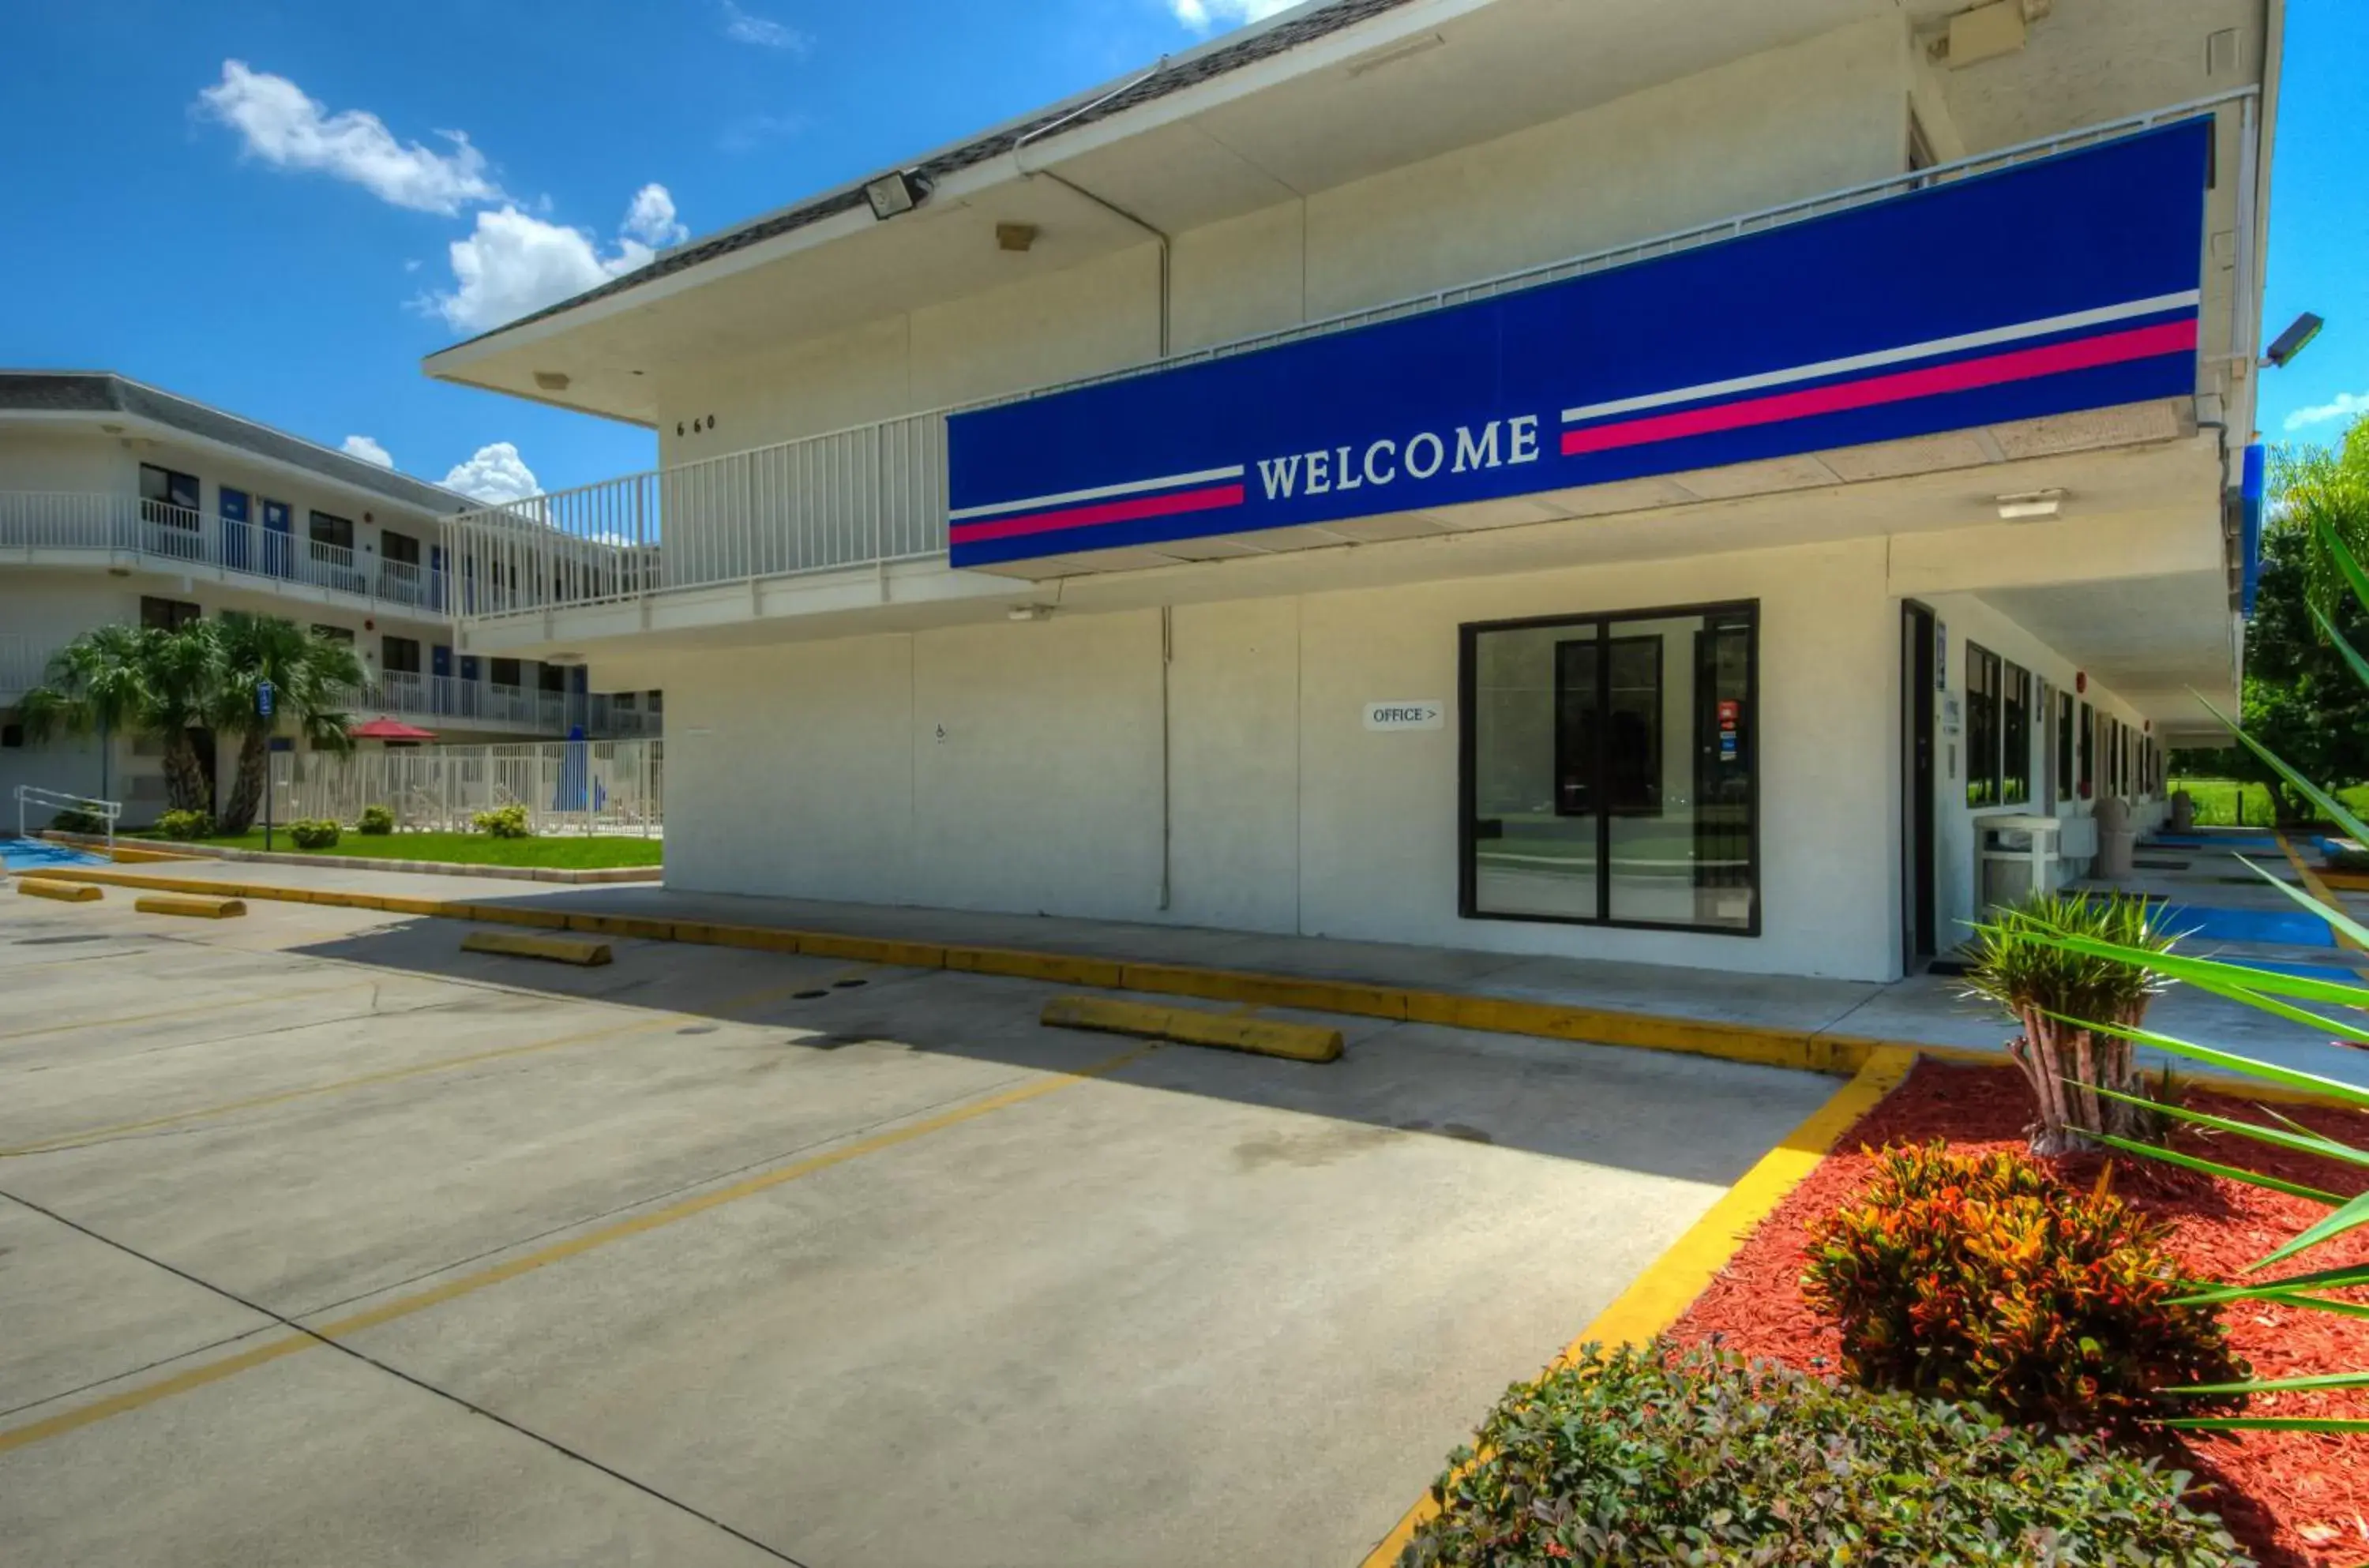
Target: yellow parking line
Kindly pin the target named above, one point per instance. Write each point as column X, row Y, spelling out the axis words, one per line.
column 214, row 1006
column 469, row 1284
column 391, row 1075
column 2317, row 888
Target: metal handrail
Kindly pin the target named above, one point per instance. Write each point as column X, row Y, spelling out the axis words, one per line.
column 54, row 801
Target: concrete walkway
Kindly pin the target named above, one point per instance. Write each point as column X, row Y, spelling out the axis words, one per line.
column 1925, row 1010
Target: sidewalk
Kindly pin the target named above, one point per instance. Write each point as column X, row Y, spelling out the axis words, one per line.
column 1925, row 1010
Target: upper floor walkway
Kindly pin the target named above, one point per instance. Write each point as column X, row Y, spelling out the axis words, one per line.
column 878, row 494
column 86, row 528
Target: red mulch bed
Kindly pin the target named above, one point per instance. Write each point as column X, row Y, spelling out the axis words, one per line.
column 2295, row 1499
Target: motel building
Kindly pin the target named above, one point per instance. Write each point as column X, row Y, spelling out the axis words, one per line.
column 123, row 503
column 1626, row 481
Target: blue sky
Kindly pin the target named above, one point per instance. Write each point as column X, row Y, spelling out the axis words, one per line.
column 278, row 206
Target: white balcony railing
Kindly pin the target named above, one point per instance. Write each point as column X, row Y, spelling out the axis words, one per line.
column 449, row 699
column 35, row 521
column 876, row 493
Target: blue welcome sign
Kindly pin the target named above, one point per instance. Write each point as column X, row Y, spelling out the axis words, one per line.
column 2072, row 282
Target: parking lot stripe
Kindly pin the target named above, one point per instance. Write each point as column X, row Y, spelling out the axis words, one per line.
column 307, row 1338
column 396, row 1074
column 214, row 1006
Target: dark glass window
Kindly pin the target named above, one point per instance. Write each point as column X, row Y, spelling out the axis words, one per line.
column 2088, row 748
column 167, row 495
column 2063, row 745
column 1610, row 770
column 550, row 677
column 1982, row 726
column 399, row 655
column 167, row 615
column 502, row 672
column 2014, row 736
column 401, row 548
column 334, row 531
column 334, row 634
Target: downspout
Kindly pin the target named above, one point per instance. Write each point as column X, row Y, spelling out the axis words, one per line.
column 1167, row 818
column 1111, row 207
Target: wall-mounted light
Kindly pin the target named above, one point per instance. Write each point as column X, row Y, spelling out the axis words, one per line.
column 2030, row 506
column 899, row 191
column 2288, row 344
column 1015, row 236
column 1029, row 612
column 550, row 381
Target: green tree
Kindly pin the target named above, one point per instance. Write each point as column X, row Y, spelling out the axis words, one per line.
column 143, row 679
column 308, row 674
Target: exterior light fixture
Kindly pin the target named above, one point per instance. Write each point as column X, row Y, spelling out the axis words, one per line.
column 1029, row 612
column 550, row 381
column 2030, row 506
column 1015, row 236
column 2291, row 342
column 896, row 193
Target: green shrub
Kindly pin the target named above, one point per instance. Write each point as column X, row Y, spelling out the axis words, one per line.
column 1632, row 1458
column 185, row 825
column 376, row 821
column 504, row 822
column 313, row 833
column 1982, row 1277
column 72, row 821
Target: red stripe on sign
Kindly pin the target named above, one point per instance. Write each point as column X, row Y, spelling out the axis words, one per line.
column 1207, row 499
column 2023, row 364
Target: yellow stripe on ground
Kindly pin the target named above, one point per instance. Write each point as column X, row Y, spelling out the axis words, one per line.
column 574, row 1246
column 2319, row 889
column 219, row 1004
column 1656, row 1298
column 397, row 1074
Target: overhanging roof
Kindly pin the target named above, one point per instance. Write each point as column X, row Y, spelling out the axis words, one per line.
column 104, row 391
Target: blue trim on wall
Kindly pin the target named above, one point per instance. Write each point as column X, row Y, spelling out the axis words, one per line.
column 2250, row 489
column 2102, row 227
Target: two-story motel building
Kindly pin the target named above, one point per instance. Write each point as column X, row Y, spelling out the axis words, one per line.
column 1632, row 480
column 122, row 503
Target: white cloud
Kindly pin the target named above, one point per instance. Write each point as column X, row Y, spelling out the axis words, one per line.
column 753, row 131
column 651, row 218
column 368, row 451
column 495, row 475
column 284, row 127
column 514, row 263
column 1203, row 16
column 2344, row 406
column 746, row 27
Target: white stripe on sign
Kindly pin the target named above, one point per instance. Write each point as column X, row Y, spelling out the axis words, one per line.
column 2070, row 321
column 1099, row 492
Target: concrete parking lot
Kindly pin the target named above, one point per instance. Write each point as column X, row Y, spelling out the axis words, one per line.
column 322, row 1241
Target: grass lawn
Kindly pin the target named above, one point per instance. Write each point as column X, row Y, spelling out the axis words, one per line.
column 2218, row 802
column 567, row 853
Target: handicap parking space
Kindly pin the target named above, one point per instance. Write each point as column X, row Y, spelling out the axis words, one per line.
column 713, row 1255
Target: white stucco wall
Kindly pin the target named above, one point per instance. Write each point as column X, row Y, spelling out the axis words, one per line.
column 818, row 768
column 1828, row 112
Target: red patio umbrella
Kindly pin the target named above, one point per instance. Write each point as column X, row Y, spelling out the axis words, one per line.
column 385, row 728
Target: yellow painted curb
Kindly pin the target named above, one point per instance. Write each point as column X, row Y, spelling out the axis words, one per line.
column 2319, row 889
column 1189, row 1026
column 64, row 892
column 520, row 944
column 201, row 906
column 1657, row 1297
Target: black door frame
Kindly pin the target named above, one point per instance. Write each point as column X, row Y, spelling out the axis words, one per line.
column 1917, row 686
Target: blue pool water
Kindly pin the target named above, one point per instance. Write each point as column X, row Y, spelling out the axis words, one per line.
column 33, row 854
column 2284, row 928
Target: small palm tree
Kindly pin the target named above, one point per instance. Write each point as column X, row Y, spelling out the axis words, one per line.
column 307, row 675
column 144, row 680
column 2084, row 1079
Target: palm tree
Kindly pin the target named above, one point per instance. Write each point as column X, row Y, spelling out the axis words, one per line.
column 144, row 680
column 307, row 674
